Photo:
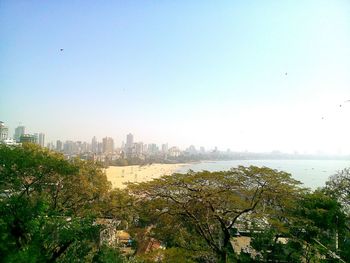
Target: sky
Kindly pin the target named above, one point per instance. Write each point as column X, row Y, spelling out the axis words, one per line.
column 245, row 75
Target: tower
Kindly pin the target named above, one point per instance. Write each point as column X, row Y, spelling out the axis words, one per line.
column 19, row 131
column 4, row 131
column 129, row 141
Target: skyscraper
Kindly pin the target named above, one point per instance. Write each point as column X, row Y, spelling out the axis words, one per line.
column 94, row 145
column 107, row 145
column 59, row 146
column 41, row 141
column 19, row 131
column 4, row 131
column 129, row 141
column 164, row 148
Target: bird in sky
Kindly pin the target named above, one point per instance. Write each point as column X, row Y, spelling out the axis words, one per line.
column 61, row 49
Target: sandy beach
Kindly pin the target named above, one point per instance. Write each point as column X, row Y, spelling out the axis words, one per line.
column 119, row 175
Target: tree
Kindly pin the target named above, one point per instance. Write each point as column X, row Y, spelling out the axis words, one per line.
column 48, row 206
column 338, row 186
column 211, row 205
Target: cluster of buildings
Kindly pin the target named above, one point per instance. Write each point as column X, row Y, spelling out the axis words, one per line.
column 107, row 150
column 20, row 136
column 96, row 150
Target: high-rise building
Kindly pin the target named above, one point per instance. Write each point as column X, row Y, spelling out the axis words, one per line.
column 164, row 148
column 69, row 147
column 129, row 141
column 41, row 140
column 99, row 147
column 191, row 149
column 152, row 148
column 94, row 145
column 59, row 146
column 138, row 148
column 107, row 145
column 4, row 132
column 19, row 131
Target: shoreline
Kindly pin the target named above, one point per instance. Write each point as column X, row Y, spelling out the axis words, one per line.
column 120, row 175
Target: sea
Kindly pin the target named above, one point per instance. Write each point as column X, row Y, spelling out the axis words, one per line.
column 312, row 173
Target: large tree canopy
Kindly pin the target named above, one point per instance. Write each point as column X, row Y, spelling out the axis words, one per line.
column 213, row 204
column 48, row 205
column 338, row 186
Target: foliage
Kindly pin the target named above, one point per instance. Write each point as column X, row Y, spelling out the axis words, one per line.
column 108, row 255
column 338, row 186
column 49, row 205
column 208, row 205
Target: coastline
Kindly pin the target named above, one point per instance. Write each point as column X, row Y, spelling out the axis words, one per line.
column 120, row 175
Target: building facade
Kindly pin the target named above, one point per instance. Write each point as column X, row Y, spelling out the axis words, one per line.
column 107, row 145
column 19, row 131
column 4, row 132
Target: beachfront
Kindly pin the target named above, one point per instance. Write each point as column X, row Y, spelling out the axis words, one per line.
column 119, row 175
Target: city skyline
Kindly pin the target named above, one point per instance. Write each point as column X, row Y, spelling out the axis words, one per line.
column 257, row 76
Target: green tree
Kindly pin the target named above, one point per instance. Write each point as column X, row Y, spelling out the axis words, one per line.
column 48, row 206
column 338, row 186
column 211, row 205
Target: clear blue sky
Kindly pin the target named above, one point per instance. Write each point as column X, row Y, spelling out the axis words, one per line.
column 207, row 73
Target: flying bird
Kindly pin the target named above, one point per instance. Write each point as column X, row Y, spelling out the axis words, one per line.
column 61, row 49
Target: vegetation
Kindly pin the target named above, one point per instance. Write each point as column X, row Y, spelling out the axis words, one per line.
column 51, row 208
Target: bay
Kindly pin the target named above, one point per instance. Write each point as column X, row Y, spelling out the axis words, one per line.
column 312, row 173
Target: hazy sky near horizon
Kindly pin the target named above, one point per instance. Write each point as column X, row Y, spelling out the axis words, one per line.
column 245, row 75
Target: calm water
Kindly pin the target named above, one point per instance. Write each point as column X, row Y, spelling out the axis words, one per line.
column 313, row 173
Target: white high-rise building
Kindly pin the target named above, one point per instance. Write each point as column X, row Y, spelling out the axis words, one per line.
column 41, row 140
column 94, row 145
column 4, row 132
column 164, row 148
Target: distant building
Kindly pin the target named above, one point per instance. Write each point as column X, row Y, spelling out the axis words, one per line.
column 138, row 148
column 69, row 147
column 174, row 152
column 4, row 131
column 99, row 147
column 94, row 145
column 10, row 142
column 164, row 148
column 36, row 136
column 107, row 145
column 19, row 131
column 191, row 150
column 41, row 140
column 129, row 141
column 152, row 148
column 27, row 138
column 59, row 145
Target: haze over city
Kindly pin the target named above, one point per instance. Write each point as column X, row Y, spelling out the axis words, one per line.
column 258, row 77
